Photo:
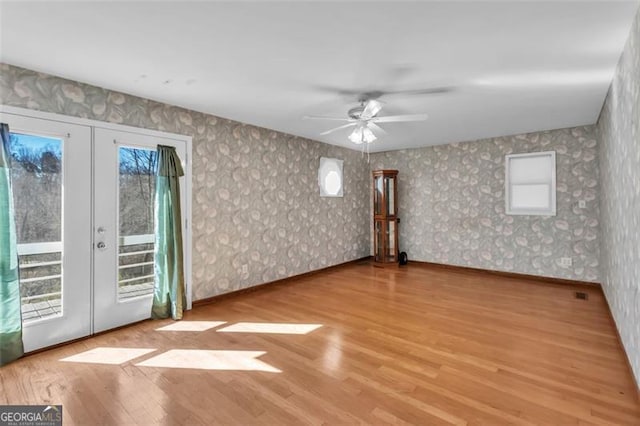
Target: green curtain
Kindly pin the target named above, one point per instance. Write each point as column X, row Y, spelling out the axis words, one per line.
column 10, row 315
column 169, row 294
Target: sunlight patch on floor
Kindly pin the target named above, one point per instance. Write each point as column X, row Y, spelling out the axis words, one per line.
column 270, row 327
column 113, row 356
column 210, row 360
column 191, row 326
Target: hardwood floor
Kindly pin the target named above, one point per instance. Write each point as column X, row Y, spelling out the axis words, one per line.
column 396, row 345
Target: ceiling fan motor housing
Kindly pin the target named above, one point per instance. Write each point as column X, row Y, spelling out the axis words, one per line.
column 356, row 112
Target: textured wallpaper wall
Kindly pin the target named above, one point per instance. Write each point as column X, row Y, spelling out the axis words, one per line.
column 452, row 208
column 255, row 192
column 619, row 135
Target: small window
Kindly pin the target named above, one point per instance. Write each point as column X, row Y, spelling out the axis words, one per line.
column 330, row 177
column 531, row 184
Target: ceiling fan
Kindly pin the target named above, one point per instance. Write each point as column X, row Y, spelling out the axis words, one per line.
column 365, row 119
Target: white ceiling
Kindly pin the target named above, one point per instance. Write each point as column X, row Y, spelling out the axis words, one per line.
column 516, row 66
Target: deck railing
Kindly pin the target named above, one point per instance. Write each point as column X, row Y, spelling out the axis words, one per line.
column 41, row 274
column 135, row 266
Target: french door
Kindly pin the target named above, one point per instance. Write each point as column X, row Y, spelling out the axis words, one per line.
column 51, row 180
column 124, row 230
column 84, row 208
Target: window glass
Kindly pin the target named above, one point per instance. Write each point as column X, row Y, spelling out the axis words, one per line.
column 136, row 189
column 36, row 178
column 531, row 184
column 330, row 177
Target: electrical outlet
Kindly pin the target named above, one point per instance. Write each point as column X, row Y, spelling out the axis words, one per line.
column 582, row 204
column 245, row 269
column 566, row 261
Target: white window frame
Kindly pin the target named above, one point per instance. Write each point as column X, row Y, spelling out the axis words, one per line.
column 551, row 211
column 330, row 165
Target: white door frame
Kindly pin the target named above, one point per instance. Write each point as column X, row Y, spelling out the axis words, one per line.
column 188, row 258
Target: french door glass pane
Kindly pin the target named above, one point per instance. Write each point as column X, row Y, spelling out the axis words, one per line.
column 135, row 217
column 36, row 177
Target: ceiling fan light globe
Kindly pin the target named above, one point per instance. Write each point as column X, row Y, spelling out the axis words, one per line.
column 353, row 138
column 356, row 135
column 368, row 135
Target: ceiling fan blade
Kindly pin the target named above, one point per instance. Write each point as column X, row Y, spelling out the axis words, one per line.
column 377, row 128
column 398, row 118
column 338, row 128
column 366, row 94
column 428, row 91
column 338, row 90
column 321, row 117
column 372, row 108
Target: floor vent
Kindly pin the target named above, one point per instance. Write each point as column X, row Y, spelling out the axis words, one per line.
column 582, row 295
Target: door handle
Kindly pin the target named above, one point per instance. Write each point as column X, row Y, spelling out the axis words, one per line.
column 101, row 245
